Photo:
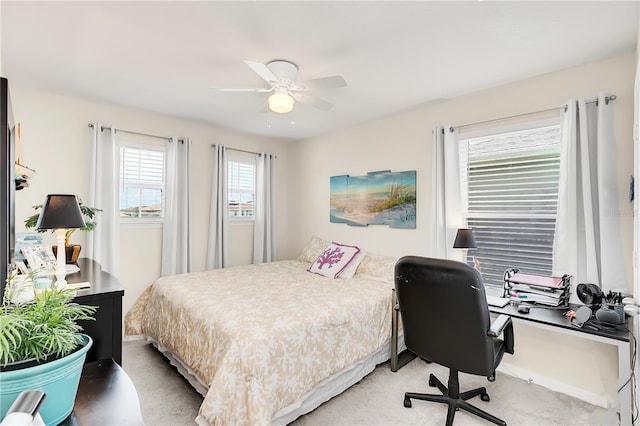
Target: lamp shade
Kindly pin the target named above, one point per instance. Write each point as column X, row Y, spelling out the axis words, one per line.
column 281, row 103
column 465, row 239
column 60, row 211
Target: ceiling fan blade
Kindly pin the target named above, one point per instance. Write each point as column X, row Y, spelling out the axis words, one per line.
column 239, row 89
column 261, row 69
column 332, row 82
column 314, row 101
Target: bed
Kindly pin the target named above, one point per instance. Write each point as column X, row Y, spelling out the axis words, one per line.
column 267, row 343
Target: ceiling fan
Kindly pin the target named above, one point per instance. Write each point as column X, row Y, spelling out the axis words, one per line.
column 282, row 78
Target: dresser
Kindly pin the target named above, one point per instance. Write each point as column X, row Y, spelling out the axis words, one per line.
column 106, row 293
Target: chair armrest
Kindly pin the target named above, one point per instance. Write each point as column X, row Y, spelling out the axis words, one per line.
column 503, row 325
column 499, row 325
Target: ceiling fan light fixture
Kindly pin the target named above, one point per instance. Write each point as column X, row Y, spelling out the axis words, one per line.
column 281, row 103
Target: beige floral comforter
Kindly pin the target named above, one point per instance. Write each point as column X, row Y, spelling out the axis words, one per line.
column 262, row 336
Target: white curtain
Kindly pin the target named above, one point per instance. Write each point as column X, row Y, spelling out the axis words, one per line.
column 588, row 240
column 446, row 200
column 264, row 243
column 103, row 243
column 217, row 249
column 176, row 229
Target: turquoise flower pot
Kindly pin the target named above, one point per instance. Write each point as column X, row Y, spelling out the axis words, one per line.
column 58, row 379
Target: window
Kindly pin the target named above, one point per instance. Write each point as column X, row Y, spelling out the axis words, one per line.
column 142, row 180
column 241, row 189
column 510, row 194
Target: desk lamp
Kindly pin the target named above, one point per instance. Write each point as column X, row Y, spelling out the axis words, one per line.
column 466, row 240
column 60, row 212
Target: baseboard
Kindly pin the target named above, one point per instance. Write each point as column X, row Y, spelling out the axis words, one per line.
column 133, row 338
column 555, row 385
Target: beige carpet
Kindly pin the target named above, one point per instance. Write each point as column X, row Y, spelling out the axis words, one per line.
column 167, row 399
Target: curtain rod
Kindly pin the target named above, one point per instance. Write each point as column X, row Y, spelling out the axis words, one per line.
column 170, row 139
column 213, row 145
column 606, row 100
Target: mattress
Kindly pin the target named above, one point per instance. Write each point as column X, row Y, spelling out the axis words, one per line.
column 263, row 341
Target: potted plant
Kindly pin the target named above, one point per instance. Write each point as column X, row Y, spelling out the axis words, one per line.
column 41, row 346
column 72, row 251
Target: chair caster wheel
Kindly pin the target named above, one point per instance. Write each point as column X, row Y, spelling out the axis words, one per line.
column 407, row 403
column 485, row 397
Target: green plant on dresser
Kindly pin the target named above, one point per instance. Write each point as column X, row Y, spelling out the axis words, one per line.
column 42, row 347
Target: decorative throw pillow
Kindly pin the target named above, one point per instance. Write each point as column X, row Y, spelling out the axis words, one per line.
column 312, row 250
column 333, row 260
column 378, row 267
column 350, row 270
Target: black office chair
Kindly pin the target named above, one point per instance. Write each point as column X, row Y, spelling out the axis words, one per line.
column 445, row 319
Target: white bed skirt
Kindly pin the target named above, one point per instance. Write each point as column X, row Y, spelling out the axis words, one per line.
column 326, row 390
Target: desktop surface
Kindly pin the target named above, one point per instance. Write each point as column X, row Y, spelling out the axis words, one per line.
column 555, row 316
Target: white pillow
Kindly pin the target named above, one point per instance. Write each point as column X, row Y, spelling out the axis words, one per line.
column 333, row 259
column 350, row 270
column 312, row 250
column 379, row 267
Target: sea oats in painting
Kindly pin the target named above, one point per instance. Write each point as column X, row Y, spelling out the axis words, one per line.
column 377, row 198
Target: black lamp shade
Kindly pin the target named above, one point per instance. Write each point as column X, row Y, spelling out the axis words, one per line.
column 465, row 239
column 60, row 211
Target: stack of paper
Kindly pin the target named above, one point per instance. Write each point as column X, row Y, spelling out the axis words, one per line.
column 551, row 291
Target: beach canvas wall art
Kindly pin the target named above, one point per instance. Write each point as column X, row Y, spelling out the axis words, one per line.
column 377, row 198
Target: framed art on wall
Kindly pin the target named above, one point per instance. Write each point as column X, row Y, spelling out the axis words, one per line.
column 377, row 198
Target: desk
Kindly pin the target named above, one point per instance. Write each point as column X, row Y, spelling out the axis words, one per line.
column 553, row 320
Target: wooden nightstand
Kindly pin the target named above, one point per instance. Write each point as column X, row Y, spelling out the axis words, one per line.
column 106, row 293
column 106, row 396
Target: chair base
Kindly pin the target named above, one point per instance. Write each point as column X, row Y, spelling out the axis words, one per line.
column 454, row 399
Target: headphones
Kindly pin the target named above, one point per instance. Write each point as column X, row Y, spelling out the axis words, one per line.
column 589, row 294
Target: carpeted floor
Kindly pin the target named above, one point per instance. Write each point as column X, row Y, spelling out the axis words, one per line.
column 167, row 399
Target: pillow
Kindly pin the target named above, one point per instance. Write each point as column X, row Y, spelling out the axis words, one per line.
column 350, row 270
column 313, row 249
column 334, row 258
column 381, row 268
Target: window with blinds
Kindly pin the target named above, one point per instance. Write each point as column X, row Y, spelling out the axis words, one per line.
column 241, row 191
column 142, row 180
column 510, row 194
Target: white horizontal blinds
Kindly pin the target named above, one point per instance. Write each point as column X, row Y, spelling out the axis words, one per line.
column 141, row 182
column 242, row 189
column 510, row 187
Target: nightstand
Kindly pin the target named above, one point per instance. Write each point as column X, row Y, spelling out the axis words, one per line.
column 106, row 396
column 106, row 293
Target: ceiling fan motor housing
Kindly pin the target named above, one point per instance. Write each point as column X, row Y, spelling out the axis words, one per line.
column 287, row 72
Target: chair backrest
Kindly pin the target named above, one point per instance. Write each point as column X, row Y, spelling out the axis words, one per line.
column 445, row 317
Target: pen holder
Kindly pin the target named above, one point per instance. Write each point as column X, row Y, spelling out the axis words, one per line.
column 618, row 309
column 611, row 313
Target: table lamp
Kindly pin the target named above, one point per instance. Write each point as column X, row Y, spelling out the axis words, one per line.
column 60, row 212
column 466, row 240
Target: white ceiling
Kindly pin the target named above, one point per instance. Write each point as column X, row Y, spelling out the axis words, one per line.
column 165, row 56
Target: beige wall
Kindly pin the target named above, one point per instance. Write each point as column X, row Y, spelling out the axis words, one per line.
column 403, row 142
column 56, row 143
